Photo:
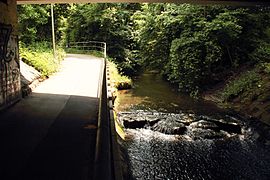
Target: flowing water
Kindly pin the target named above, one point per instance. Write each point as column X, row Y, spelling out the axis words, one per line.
column 171, row 136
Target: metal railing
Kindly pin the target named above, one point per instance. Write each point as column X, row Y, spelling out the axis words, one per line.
column 107, row 158
column 107, row 153
column 103, row 156
column 89, row 46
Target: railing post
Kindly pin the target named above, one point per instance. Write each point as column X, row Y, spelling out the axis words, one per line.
column 105, row 50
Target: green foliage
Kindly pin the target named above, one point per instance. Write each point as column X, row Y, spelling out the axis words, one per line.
column 110, row 23
column 266, row 67
column 261, row 53
column 192, row 45
column 119, row 81
column 40, row 56
column 245, row 83
column 35, row 22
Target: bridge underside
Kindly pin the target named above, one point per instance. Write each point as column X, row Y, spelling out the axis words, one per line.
column 210, row 2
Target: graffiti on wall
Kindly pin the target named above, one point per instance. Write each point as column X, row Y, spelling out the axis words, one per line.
column 9, row 66
column 5, row 32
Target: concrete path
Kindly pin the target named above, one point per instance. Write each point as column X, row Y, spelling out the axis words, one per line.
column 51, row 134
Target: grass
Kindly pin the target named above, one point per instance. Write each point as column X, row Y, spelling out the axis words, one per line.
column 40, row 56
column 120, row 82
column 243, row 86
column 266, row 67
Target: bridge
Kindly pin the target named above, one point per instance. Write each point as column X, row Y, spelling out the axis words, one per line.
column 62, row 130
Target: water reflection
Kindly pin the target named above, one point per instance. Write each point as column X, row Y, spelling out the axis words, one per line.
column 152, row 92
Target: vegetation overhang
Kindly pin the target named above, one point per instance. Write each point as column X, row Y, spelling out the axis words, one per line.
column 203, row 2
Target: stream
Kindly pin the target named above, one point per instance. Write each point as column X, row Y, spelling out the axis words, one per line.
column 169, row 135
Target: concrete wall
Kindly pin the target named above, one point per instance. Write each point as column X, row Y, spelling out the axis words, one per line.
column 10, row 88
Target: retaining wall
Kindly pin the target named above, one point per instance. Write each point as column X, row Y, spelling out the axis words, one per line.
column 10, row 88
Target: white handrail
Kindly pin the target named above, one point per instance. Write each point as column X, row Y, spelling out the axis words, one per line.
column 89, row 45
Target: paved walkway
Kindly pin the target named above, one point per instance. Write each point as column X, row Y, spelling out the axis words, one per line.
column 51, row 134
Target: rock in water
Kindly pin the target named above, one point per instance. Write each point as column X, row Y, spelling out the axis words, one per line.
column 168, row 126
column 203, row 124
column 197, row 127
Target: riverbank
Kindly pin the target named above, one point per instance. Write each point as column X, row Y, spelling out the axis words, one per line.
column 246, row 91
column 120, row 82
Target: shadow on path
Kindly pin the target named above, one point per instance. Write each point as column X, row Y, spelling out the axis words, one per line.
column 51, row 134
column 48, row 136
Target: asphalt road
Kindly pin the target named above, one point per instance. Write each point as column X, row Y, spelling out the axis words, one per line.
column 51, row 134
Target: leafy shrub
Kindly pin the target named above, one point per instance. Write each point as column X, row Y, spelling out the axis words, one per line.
column 261, row 53
column 120, row 81
column 41, row 58
column 184, row 64
column 193, row 45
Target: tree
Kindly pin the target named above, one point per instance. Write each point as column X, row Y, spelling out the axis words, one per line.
column 191, row 45
column 35, row 22
column 110, row 23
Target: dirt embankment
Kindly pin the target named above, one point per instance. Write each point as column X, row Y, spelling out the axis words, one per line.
column 30, row 78
column 252, row 101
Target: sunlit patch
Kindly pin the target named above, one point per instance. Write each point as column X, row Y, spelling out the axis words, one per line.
column 65, row 82
column 149, row 135
column 120, row 131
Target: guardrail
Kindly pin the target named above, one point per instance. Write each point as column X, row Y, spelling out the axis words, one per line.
column 107, row 159
column 88, row 46
column 103, row 159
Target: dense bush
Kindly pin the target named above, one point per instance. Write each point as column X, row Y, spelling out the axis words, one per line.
column 40, row 56
column 192, row 45
column 119, row 81
column 261, row 53
column 110, row 23
column 35, row 22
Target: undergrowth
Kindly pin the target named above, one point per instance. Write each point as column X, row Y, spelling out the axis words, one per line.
column 120, row 81
column 246, row 84
column 40, row 56
column 266, row 67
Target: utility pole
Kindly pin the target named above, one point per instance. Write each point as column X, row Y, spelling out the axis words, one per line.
column 53, row 35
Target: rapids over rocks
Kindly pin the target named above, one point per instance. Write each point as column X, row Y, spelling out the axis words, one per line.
column 170, row 136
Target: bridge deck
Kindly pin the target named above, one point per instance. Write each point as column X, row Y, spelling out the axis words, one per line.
column 52, row 133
